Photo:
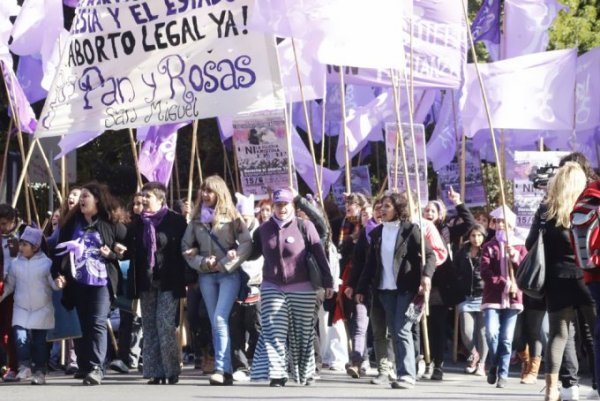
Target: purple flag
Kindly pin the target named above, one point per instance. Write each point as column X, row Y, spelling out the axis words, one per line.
column 158, row 151
column 527, row 23
column 587, row 90
column 39, row 21
column 225, row 127
column 441, row 147
column 341, row 32
column 30, row 74
column 315, row 115
column 71, row 3
column 8, row 8
column 304, row 166
column 18, row 100
column 536, row 91
column 70, row 142
column 486, row 27
column 312, row 72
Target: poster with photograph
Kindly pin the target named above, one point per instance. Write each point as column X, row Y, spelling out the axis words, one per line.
column 391, row 132
column 528, row 167
column 360, row 181
column 261, row 149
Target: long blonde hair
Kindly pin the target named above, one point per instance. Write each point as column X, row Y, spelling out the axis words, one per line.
column 563, row 190
column 224, row 206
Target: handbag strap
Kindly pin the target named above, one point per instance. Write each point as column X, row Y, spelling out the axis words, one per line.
column 302, row 229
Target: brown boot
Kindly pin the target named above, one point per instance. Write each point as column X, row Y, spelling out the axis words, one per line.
column 525, row 366
column 208, row 364
column 552, row 393
column 534, row 368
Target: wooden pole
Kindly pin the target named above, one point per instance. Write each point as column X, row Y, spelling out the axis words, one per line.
column 344, row 131
column 489, row 119
column 135, row 159
column 542, row 144
column 192, row 158
column 309, row 129
column 199, row 164
column 22, row 176
column 228, row 166
column 322, row 160
column 288, row 139
column 27, row 183
column 463, row 166
column 177, row 183
column 49, row 170
column 5, row 156
column 64, row 182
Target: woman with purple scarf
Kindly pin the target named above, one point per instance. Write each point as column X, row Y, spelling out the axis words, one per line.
column 85, row 259
column 156, row 277
column 216, row 242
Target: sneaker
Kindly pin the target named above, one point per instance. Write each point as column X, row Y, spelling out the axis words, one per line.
column 71, row 369
column 364, row 367
column 10, row 376
column 438, row 374
column 593, row 395
column 428, row 371
column 570, row 393
column 38, row 378
column 353, row 372
column 221, row 379
column 278, row 382
column 492, row 375
column 310, row 381
column 119, row 366
column 501, row 383
column 93, row 378
column 472, row 363
column 79, row 374
column 404, row 383
column 480, row 371
column 24, row 373
column 421, row 367
column 241, row 376
column 380, row 379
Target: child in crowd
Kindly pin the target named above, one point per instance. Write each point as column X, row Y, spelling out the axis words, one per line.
column 33, row 314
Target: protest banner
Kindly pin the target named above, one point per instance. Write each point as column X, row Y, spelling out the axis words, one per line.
column 527, row 198
column 261, row 148
column 391, row 132
column 157, row 62
column 449, row 176
column 361, row 183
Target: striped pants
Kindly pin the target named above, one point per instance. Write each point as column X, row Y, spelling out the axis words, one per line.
column 287, row 320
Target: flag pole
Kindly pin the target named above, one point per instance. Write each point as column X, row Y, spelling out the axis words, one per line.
column 136, row 162
column 49, row 169
column 6, row 148
column 192, row 158
column 491, row 126
column 63, row 174
column 288, row 138
column 344, row 131
column 322, row 160
column 400, row 145
column 308, row 128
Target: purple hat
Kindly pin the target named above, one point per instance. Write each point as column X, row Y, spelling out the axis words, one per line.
column 283, row 195
column 32, row 235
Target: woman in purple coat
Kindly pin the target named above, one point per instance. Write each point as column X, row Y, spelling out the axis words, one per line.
column 287, row 295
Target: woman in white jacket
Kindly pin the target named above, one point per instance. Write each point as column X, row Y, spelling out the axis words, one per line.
column 33, row 314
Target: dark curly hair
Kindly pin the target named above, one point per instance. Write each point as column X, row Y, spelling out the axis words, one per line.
column 400, row 204
column 109, row 208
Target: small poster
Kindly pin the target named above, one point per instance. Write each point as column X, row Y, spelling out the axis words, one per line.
column 391, row 130
column 261, row 149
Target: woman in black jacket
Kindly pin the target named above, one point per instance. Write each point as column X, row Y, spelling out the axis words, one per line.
column 395, row 268
column 156, row 277
column 89, row 271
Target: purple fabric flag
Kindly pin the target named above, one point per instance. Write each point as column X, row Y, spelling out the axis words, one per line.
column 71, row 3
column 536, row 91
column 225, row 127
column 441, row 147
column 486, row 27
column 587, row 90
column 39, row 21
column 30, row 74
column 312, row 72
column 315, row 115
column 18, row 100
column 70, row 142
column 304, row 166
column 158, row 151
column 526, row 26
column 341, row 32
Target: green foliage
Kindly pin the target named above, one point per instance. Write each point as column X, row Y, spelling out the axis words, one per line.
column 579, row 27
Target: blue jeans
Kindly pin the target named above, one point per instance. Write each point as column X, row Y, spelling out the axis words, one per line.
column 395, row 304
column 594, row 288
column 31, row 348
column 499, row 330
column 220, row 290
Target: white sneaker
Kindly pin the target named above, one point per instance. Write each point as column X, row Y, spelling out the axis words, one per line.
column 593, row 395
column 240, row 376
column 24, row 373
column 569, row 394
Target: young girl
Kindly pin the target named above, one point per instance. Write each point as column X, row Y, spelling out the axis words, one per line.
column 33, row 314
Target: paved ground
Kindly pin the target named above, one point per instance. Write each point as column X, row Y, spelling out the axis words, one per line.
column 331, row 386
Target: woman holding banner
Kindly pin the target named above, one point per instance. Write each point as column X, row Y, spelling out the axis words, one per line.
column 216, row 242
column 156, row 277
column 89, row 270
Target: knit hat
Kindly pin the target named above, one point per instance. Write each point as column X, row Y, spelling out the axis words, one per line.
column 283, row 195
column 245, row 204
column 32, row 235
column 510, row 219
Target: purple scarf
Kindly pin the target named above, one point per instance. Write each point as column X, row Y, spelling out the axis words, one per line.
column 151, row 221
column 371, row 224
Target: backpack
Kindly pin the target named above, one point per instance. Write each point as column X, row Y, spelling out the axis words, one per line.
column 585, row 228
